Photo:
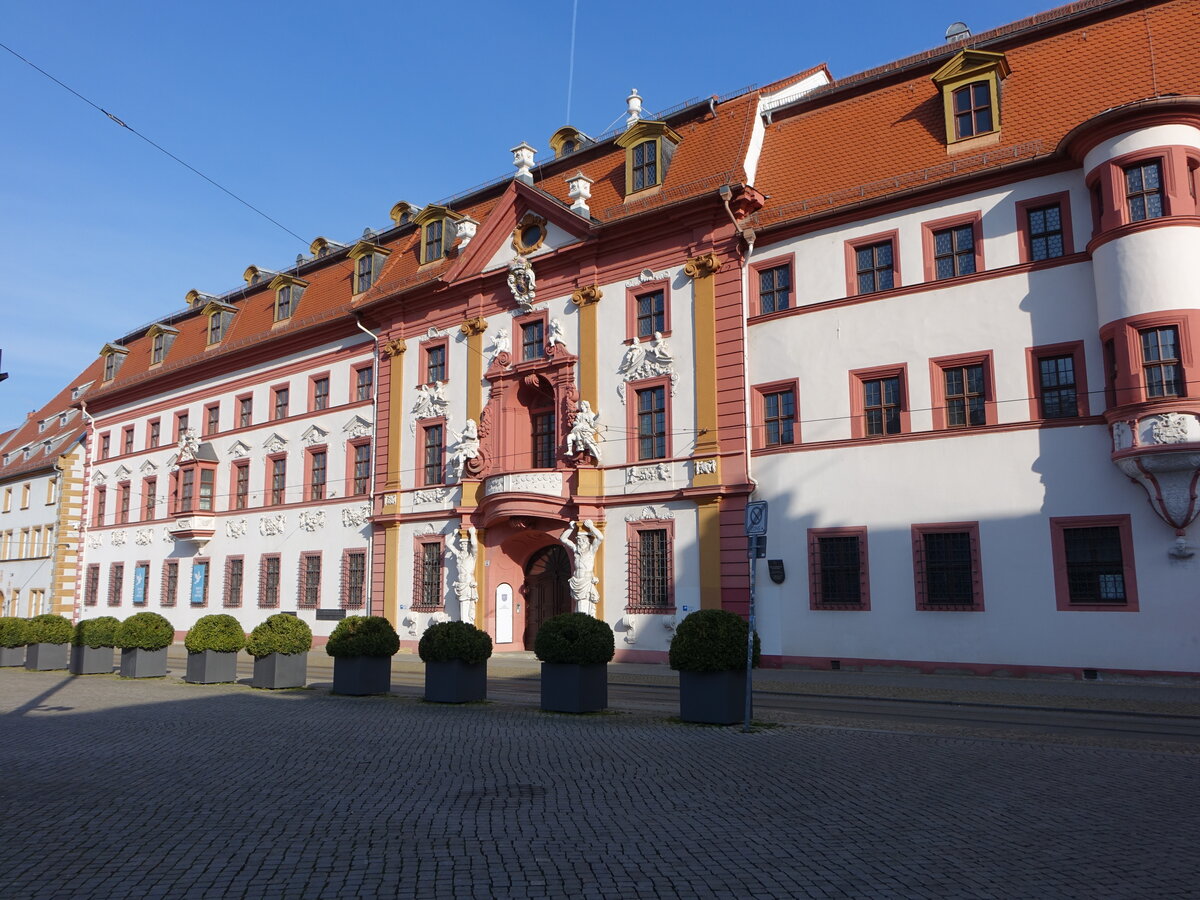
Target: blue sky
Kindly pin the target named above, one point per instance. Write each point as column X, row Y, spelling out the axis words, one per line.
column 324, row 115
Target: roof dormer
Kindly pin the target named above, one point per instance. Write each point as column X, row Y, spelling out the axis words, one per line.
column 288, row 290
column 402, row 213
column 436, row 237
column 161, row 338
column 254, row 275
column 368, row 263
column 567, row 140
column 322, row 246
column 198, row 298
column 220, row 317
column 649, row 147
column 114, row 355
column 970, row 88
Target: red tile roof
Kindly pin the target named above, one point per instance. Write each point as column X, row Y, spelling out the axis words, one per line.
column 59, row 437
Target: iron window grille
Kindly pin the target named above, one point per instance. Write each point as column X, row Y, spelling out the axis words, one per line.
column 1095, row 567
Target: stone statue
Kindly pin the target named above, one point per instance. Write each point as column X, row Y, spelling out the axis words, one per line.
column 660, row 350
column 582, row 437
column 465, row 587
column 189, row 443
column 523, row 283
column 632, row 361
column 467, row 448
column 583, row 582
column 557, row 336
column 500, row 343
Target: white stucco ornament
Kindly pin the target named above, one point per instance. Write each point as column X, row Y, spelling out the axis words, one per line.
column 167, row 537
column 583, row 436
column 410, row 623
column 313, row 435
column 706, row 466
column 357, row 427
column 465, row 551
column 549, row 484
column 466, row 449
column 1169, row 479
column 147, row 467
column 431, row 402
column 523, row 284
column 1170, row 428
column 583, row 547
column 557, row 335
column 93, row 541
column 118, row 539
column 189, row 443
column 651, row 514
column 501, row 343
column 235, row 528
column 275, row 443
column 312, row 520
column 98, row 477
column 355, row 516
column 272, row 526
column 430, row 495
column 647, row 361
column 144, row 537
column 658, row 472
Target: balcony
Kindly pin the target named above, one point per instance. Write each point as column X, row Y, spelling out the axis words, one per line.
column 539, row 494
column 198, row 529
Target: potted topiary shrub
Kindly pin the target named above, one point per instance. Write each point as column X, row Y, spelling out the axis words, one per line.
column 455, row 656
column 144, row 638
column 213, row 644
column 48, row 636
column 575, row 650
column 92, row 646
column 12, row 640
column 362, row 648
column 280, row 648
column 709, row 652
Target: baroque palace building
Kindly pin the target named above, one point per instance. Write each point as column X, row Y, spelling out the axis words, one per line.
column 938, row 314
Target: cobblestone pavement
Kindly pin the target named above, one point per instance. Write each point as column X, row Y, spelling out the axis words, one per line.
column 114, row 788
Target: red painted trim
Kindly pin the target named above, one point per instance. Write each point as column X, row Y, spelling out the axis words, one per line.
column 227, row 599
column 1129, row 389
column 858, row 412
column 302, row 580
column 207, row 562
column 169, row 597
column 276, row 392
column 919, row 571
column 116, row 582
column 1062, row 593
column 953, row 667
column 633, row 532
column 420, row 541
column 541, row 314
column 262, row 576
column 937, row 387
column 758, row 267
column 1024, row 207
column 268, row 483
column 233, row 479
column 210, row 420
column 1110, row 175
column 758, row 413
column 309, row 453
column 1074, row 349
column 152, row 439
column 815, row 601
column 348, row 486
column 312, row 391
column 344, row 593
column 149, row 491
column 851, row 248
column 929, row 229
column 631, row 297
column 632, row 440
column 419, row 474
column 368, row 366
column 182, row 421
column 442, row 343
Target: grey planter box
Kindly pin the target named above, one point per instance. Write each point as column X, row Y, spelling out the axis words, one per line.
column 455, row 681
column 712, row 698
column 138, row 663
column 46, row 657
column 211, row 667
column 362, row 675
column 571, row 688
column 12, row 656
column 91, row 660
column 280, row 670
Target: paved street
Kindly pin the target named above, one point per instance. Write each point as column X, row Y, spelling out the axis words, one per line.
column 115, row 788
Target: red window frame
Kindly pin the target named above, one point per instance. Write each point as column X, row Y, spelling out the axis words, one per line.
column 245, row 407
column 308, row 595
column 127, row 439
column 170, row 585
column 274, row 493
column 816, row 587
column 348, row 578
column 861, row 243
column 234, row 566
column 929, row 232
column 423, row 469
column 921, row 571
column 91, row 587
column 758, row 417
column 632, row 418
column 1033, row 358
column 150, row 498
column 761, row 267
column 358, row 481
column 539, row 318
column 116, row 582
column 1025, row 236
column 269, row 565
column 430, row 351
column 240, row 481
column 420, row 601
column 634, row 566
column 153, row 433
column 208, row 574
column 859, row 378
column 124, row 492
column 318, row 392
column 632, row 294
column 1058, row 549
column 316, row 466
column 358, row 383
column 281, row 399
column 937, row 369
column 212, row 419
column 181, row 423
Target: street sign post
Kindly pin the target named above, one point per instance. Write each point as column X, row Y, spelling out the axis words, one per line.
column 756, row 532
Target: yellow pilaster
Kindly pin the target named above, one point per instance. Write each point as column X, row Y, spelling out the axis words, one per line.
column 599, row 570
column 390, row 501
column 701, row 270
column 391, row 578
column 480, row 572
column 708, row 521
column 474, row 329
column 591, row 481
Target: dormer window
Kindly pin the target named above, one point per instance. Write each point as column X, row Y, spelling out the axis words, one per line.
column 431, row 241
column 649, row 147
column 970, row 87
column 321, row 247
column 161, row 338
column 402, row 213
column 436, row 224
column 288, row 291
column 567, row 140
column 220, row 317
column 254, row 275
column 368, row 263
column 114, row 355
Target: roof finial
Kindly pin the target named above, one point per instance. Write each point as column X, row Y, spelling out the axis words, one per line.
column 634, row 103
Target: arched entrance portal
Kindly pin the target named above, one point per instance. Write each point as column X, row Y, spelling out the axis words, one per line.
column 547, row 593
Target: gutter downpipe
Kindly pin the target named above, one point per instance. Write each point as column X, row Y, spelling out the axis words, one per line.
column 374, row 431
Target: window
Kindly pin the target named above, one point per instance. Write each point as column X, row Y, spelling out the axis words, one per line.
column 170, row 582
column 199, row 588
column 962, row 391
column 91, row 588
column 212, row 419
column 241, row 484
column 150, row 499
column 105, row 444
column 219, row 320
column 280, row 395
column 208, row 481
column 972, row 110
column 316, row 474
column 153, row 433
column 1162, row 373
column 648, row 146
column 428, row 583
column 98, row 518
column 1144, row 191
column 354, row 579
column 774, row 289
column 320, row 393
column 245, row 412
column 234, row 572
column 278, row 473
column 268, row 581
column 970, row 87
column 533, row 340
column 1044, row 227
column 645, row 165
column 881, row 405
column 1060, row 391
column 431, row 241
column 837, row 568
column 112, row 361
column 141, row 583
column 874, row 266
column 361, row 477
column 545, row 439
column 123, row 490
column 433, row 446
column 51, row 489
column 127, row 439
column 651, row 581
column 435, row 362
column 288, row 292
column 954, row 251
column 160, row 342
column 1093, row 563
column 946, row 566
column 652, row 422
column 364, row 273
column 363, row 378
column 309, row 596
column 779, row 417
column 181, row 425
column 116, row 579
column 25, row 496
column 651, row 314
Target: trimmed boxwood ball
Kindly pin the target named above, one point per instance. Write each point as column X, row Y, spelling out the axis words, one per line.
column 574, row 638
column 363, row 636
column 145, row 631
column 448, row 641
column 96, row 633
column 220, row 633
column 288, row 635
column 712, row 640
column 48, row 628
column 13, row 631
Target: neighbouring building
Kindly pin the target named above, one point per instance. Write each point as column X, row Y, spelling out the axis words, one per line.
column 938, row 315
